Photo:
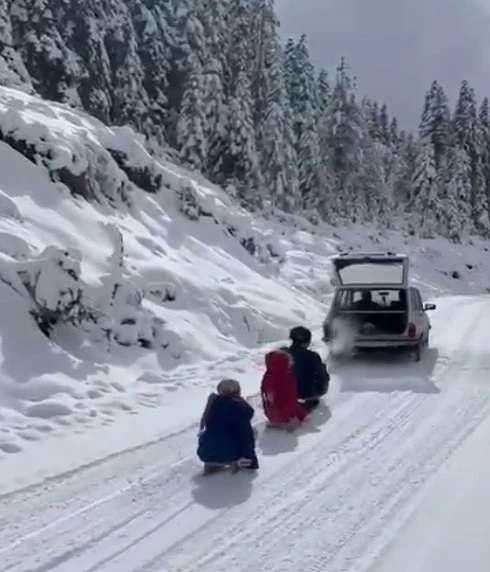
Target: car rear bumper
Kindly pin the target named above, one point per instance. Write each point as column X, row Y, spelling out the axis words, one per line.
column 380, row 342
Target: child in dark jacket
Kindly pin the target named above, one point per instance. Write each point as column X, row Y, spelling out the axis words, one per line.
column 227, row 437
column 312, row 377
column 278, row 390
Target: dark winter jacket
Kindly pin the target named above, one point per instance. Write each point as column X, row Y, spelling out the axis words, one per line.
column 228, row 434
column 312, row 378
column 278, row 390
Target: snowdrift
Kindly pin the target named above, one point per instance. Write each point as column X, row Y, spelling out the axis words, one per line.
column 121, row 273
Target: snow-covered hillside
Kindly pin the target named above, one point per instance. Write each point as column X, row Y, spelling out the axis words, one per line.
column 147, row 283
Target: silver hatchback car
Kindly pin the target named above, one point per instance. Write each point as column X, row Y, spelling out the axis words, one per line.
column 374, row 307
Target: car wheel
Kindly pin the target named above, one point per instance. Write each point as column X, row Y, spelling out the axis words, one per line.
column 422, row 345
column 418, row 352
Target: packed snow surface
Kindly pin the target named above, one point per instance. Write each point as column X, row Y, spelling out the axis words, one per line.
column 390, row 470
column 157, row 293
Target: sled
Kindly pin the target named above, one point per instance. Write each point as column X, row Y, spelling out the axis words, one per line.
column 310, row 404
column 289, row 426
column 212, row 469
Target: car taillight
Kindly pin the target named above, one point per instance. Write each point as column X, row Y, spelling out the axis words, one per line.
column 412, row 330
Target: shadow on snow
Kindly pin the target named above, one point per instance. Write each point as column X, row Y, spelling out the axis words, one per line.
column 386, row 373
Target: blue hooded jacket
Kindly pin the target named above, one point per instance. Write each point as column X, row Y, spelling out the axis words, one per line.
column 228, row 434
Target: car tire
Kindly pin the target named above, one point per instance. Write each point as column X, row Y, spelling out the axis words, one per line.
column 420, row 347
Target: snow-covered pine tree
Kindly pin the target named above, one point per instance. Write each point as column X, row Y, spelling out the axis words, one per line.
column 277, row 160
column 377, row 195
column 468, row 138
column 454, row 183
column 83, row 28
column 130, row 100
column 241, row 163
column 327, row 200
column 384, row 125
column 243, row 43
column 12, row 70
column 302, row 95
column 188, row 40
column 323, row 93
column 395, row 140
column 484, row 127
column 436, row 122
column 216, row 81
column 290, row 158
column 343, row 143
column 154, row 50
column 425, row 206
column 370, row 112
column 52, row 66
column 191, row 125
column 407, row 157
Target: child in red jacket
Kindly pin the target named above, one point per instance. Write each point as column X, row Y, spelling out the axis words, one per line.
column 278, row 391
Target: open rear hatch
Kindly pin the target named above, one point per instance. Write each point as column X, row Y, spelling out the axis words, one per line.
column 371, row 269
column 373, row 312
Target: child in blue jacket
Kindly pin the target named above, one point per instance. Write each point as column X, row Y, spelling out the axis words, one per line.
column 227, row 437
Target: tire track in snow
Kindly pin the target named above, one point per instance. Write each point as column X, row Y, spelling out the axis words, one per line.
column 280, row 499
column 142, row 522
column 413, row 409
column 381, row 405
column 15, row 507
column 339, row 518
column 158, row 487
column 318, row 522
column 444, row 371
column 105, row 543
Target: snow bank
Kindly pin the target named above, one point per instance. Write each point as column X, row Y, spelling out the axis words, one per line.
column 120, row 274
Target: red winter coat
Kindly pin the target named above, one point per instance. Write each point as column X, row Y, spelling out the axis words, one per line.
column 278, row 390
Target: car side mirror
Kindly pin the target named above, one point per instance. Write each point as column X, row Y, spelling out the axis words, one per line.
column 428, row 307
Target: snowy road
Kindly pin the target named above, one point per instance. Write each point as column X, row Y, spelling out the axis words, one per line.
column 336, row 497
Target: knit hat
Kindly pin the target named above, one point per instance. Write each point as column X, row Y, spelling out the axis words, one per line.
column 228, row 387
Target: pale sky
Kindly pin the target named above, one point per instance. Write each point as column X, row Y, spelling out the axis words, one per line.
column 396, row 48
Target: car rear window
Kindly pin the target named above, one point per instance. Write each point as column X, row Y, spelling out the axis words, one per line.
column 374, row 298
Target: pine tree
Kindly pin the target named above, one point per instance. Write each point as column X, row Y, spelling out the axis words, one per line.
column 241, row 56
column 302, row 95
column 370, row 111
column 83, row 27
column 129, row 98
column 154, row 51
column 384, row 125
column 323, row 93
column 277, row 158
column 436, row 122
column 12, row 70
column 469, row 139
column 52, row 66
column 457, row 195
column 425, row 204
column 344, row 143
column 187, row 42
column 216, row 114
column 191, row 125
column 240, row 163
column 395, row 140
column 484, row 126
column 407, row 156
column 216, row 77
